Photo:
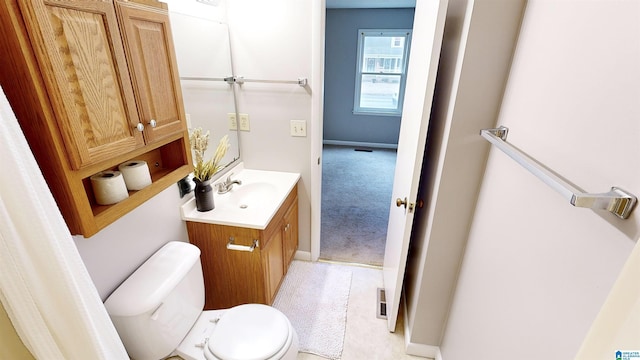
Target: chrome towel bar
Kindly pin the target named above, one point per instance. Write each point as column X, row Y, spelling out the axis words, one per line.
column 241, row 80
column 229, row 79
column 301, row 81
column 617, row 201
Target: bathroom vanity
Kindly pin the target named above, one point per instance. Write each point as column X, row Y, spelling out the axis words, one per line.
column 248, row 240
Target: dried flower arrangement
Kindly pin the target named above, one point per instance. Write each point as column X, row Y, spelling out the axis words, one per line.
column 204, row 170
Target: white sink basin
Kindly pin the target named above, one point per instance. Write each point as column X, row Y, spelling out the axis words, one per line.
column 251, row 195
column 251, row 204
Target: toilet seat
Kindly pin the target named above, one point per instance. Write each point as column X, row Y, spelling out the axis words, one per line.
column 250, row 332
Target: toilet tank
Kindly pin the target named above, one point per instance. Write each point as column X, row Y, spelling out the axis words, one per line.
column 156, row 306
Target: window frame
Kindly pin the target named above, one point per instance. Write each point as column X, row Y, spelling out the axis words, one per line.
column 362, row 35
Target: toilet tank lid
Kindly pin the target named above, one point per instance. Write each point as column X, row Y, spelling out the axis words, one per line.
column 150, row 284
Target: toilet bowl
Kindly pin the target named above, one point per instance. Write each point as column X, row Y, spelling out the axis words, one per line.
column 157, row 312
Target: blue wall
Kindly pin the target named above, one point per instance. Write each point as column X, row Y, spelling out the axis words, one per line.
column 341, row 51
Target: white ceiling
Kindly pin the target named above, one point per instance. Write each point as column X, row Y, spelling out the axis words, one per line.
column 369, row 4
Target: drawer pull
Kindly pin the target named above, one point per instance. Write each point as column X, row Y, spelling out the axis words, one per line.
column 232, row 246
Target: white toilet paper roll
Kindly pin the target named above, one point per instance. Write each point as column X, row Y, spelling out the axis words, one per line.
column 109, row 187
column 136, row 174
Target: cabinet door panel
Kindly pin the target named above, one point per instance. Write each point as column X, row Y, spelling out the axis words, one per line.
column 273, row 265
column 150, row 49
column 83, row 60
column 290, row 233
column 231, row 277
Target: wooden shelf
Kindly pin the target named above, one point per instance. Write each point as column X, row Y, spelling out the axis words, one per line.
column 165, row 169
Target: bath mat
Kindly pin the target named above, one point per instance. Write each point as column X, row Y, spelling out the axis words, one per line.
column 314, row 296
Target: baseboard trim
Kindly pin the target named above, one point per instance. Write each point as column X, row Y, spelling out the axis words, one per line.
column 360, row 144
column 302, row 255
column 428, row 351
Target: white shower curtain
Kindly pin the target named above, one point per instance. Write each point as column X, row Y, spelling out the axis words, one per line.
column 44, row 285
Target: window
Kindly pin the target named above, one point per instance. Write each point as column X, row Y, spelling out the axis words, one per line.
column 381, row 71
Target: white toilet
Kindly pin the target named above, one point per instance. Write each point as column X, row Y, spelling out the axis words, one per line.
column 157, row 312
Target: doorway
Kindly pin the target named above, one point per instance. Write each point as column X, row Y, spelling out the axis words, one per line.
column 359, row 149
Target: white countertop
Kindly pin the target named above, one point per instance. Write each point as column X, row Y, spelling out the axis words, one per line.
column 251, row 204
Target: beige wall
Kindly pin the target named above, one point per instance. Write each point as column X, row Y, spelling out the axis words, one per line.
column 272, row 40
column 11, row 347
column 536, row 270
column 617, row 326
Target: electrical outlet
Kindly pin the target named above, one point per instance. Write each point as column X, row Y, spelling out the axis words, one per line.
column 298, row 128
column 233, row 123
column 244, row 122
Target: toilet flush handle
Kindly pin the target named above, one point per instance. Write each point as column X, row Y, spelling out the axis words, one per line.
column 156, row 312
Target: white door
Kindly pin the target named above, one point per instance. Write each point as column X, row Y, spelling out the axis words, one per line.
column 428, row 27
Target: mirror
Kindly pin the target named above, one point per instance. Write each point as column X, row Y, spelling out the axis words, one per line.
column 203, row 53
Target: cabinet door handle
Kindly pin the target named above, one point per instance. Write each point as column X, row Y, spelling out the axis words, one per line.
column 232, row 246
column 140, row 127
column 153, row 123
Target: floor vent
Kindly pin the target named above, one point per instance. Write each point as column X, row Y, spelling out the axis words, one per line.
column 381, row 312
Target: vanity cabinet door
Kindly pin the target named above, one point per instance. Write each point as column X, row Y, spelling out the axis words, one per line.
column 82, row 61
column 273, row 265
column 231, row 277
column 290, row 233
column 150, row 51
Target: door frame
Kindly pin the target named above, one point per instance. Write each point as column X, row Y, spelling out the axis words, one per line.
column 316, row 126
column 318, row 14
column 318, row 24
column 393, row 275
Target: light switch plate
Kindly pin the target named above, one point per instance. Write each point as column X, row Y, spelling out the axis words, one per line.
column 233, row 123
column 244, row 122
column 298, row 128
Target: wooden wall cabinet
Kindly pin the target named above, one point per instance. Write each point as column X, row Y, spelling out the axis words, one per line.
column 94, row 84
column 234, row 277
column 147, row 37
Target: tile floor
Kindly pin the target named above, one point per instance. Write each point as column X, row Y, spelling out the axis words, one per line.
column 367, row 336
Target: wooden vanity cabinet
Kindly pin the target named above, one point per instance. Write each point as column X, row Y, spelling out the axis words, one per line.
column 83, row 102
column 234, row 277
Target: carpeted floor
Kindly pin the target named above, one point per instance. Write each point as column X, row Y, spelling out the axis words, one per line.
column 356, row 196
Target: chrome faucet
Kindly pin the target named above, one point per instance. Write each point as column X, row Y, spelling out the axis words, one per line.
column 226, row 185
